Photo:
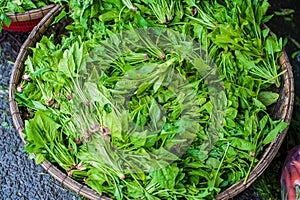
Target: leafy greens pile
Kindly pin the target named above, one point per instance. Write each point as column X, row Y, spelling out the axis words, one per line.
column 105, row 144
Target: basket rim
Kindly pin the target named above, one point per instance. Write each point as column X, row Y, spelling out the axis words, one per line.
column 83, row 190
column 36, row 13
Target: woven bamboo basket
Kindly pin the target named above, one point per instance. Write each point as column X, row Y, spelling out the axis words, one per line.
column 281, row 110
column 25, row 22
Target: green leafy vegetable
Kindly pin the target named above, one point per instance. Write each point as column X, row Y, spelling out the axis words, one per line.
column 139, row 112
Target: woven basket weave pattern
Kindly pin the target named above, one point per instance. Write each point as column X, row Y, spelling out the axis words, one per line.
column 25, row 22
column 283, row 110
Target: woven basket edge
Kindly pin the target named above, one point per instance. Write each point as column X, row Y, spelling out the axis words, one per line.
column 37, row 13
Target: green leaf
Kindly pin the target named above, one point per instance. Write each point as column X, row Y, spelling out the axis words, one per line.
column 39, row 158
column 259, row 104
column 5, row 19
column 242, row 144
column 166, row 177
column 272, row 45
column 273, row 133
column 28, row 5
column 61, row 15
column 134, row 190
column 14, row 8
column 38, row 105
column 231, row 113
column 78, row 55
column 212, row 163
column 141, row 20
column 40, row 131
column 118, row 192
column 67, row 64
column 200, row 172
column 267, row 97
column 109, row 16
column 263, row 122
column 155, row 114
column 138, row 139
column 40, row 71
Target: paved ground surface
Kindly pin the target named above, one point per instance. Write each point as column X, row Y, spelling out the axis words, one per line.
column 21, row 179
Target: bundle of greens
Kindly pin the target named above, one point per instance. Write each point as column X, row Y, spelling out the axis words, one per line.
column 19, row 6
column 130, row 103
